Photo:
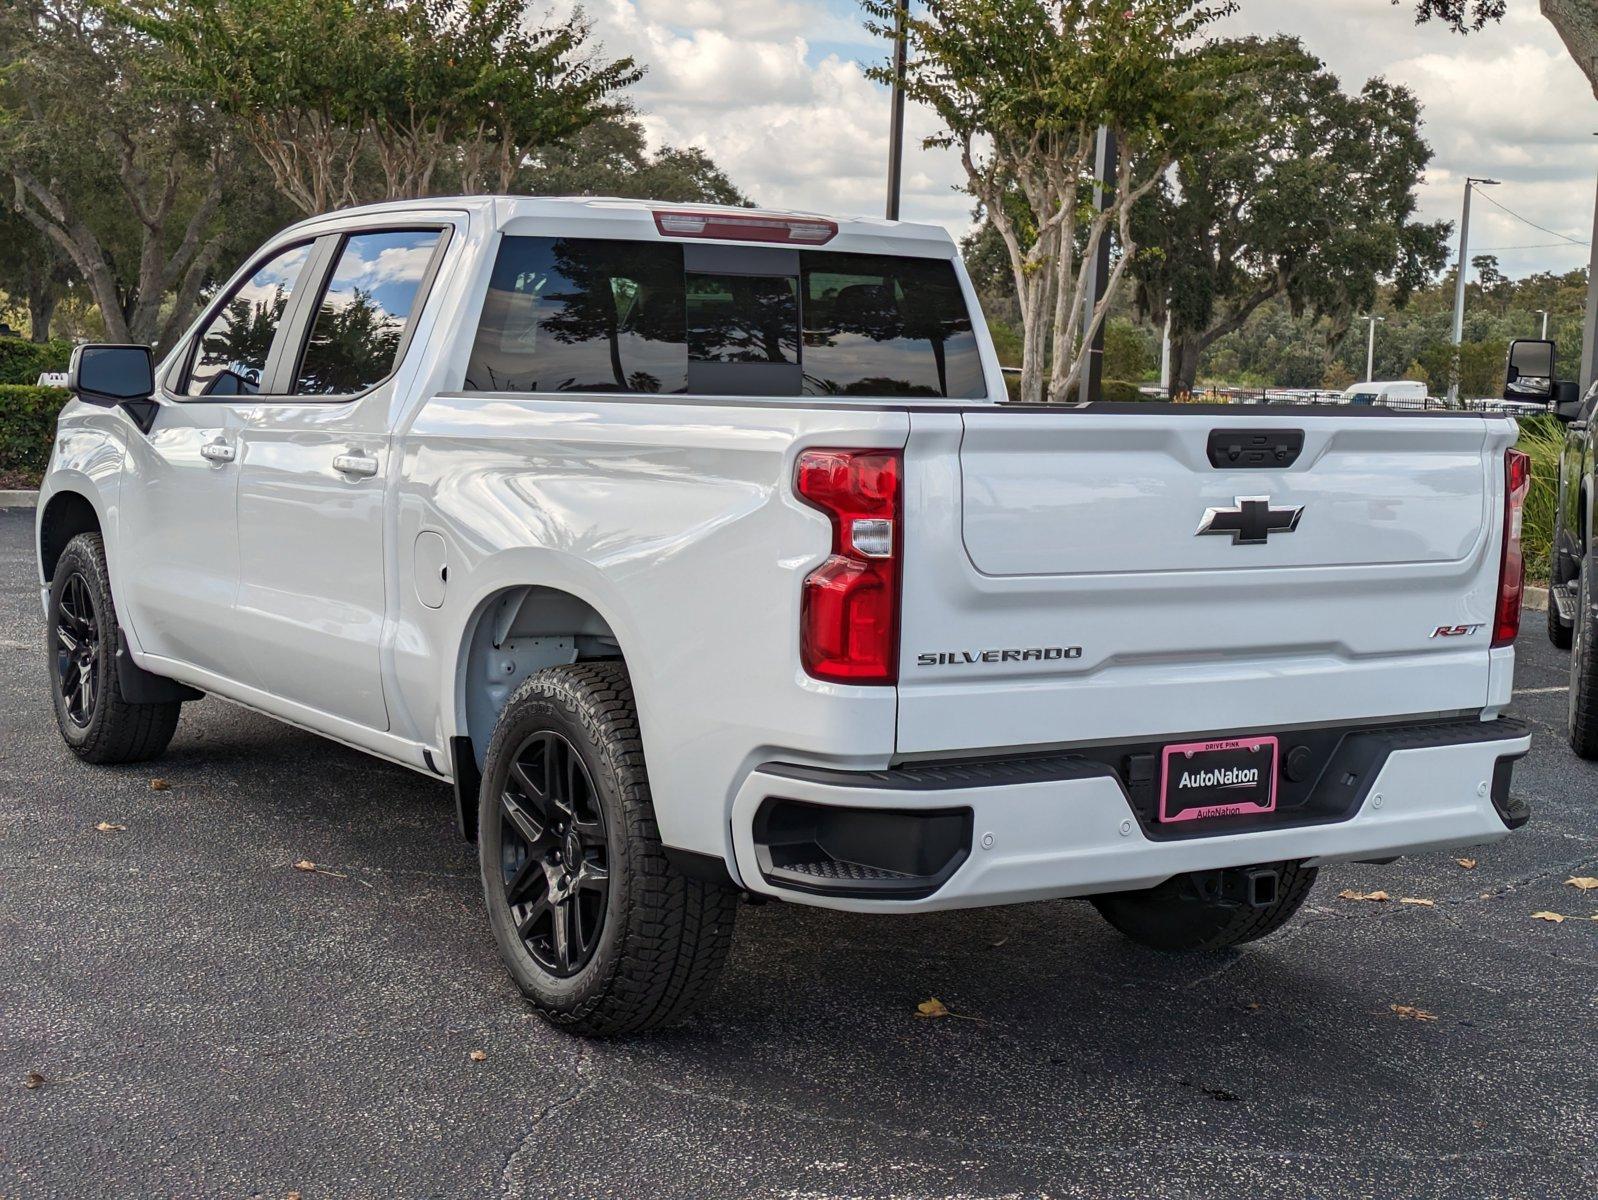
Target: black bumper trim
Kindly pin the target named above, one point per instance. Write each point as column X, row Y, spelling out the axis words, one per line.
column 1332, row 771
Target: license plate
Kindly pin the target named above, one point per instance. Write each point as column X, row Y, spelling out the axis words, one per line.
column 1227, row 778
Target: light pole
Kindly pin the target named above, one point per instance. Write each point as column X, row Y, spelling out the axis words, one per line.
column 1459, row 282
column 1370, row 347
column 896, row 123
column 1544, row 314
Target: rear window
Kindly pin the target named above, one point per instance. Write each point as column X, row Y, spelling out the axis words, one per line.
column 583, row 314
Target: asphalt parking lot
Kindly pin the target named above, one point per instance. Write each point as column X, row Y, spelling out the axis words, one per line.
column 210, row 1021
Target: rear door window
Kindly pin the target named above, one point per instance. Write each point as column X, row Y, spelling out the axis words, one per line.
column 360, row 323
column 596, row 315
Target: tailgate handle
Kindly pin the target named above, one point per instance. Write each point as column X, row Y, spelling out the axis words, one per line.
column 1234, row 448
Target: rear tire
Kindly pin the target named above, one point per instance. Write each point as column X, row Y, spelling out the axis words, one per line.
column 84, row 641
column 1584, row 666
column 1173, row 916
column 601, row 933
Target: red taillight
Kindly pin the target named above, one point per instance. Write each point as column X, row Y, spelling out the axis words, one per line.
column 746, row 227
column 1512, row 569
column 849, row 611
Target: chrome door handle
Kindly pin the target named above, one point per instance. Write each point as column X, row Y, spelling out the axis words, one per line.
column 218, row 452
column 362, row 465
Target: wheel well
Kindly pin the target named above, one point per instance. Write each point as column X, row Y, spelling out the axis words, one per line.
column 517, row 632
column 67, row 515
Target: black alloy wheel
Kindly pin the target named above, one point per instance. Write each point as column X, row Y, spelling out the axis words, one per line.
column 77, row 651
column 554, row 854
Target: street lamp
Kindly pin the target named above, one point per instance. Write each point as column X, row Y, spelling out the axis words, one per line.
column 1459, row 282
column 896, row 121
column 1370, row 347
column 1544, row 314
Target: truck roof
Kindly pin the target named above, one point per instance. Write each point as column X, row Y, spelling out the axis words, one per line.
column 619, row 216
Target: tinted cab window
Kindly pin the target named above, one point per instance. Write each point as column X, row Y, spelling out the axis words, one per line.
column 234, row 345
column 361, row 320
column 584, row 314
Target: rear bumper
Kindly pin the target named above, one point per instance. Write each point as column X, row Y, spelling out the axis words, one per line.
column 1006, row 831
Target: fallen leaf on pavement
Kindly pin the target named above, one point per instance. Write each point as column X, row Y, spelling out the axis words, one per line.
column 1585, row 882
column 1468, row 863
column 1409, row 1012
column 1351, row 894
column 932, row 1008
column 305, row 864
column 997, row 944
column 108, row 827
column 292, row 1196
column 33, row 1081
column 160, row 785
column 478, row 1055
column 1548, row 916
column 1418, row 900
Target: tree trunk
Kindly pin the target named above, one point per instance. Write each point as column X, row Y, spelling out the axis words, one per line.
column 1577, row 23
column 1185, row 350
column 42, row 298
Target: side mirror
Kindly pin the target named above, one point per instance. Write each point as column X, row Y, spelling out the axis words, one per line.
column 1567, row 403
column 115, row 376
column 111, row 375
column 1530, row 373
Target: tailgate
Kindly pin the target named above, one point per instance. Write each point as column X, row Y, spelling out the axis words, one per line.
column 1113, row 575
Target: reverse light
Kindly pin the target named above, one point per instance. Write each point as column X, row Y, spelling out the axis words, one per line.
column 741, row 227
column 849, row 609
column 1512, row 567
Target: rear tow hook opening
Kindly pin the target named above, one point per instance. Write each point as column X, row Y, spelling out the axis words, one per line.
column 1256, row 887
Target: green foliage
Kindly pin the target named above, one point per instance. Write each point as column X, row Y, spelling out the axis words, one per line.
column 1119, row 391
column 123, row 177
column 27, row 429
column 1129, row 351
column 1301, row 192
column 356, row 100
column 1543, row 438
column 1020, row 88
column 23, row 362
column 611, row 158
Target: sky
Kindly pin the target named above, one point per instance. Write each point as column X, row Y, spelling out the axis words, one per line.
column 775, row 92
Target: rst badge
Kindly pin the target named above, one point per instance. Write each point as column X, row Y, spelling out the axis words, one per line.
column 1455, row 630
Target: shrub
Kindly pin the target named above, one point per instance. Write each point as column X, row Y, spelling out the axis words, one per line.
column 24, row 362
column 27, row 429
column 1119, row 391
column 1543, row 438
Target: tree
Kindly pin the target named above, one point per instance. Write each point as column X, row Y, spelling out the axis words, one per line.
column 1020, row 88
column 33, row 270
column 1300, row 191
column 349, row 101
column 610, row 157
column 121, row 176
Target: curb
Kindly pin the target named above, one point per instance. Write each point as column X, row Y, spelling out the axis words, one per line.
column 1536, row 599
column 19, row 499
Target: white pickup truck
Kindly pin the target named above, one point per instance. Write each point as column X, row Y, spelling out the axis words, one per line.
column 698, row 548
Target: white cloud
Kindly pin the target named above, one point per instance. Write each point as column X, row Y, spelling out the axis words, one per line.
column 774, row 91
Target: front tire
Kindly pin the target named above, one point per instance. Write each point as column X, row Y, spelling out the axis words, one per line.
column 1584, row 666
column 1175, row 916
column 599, row 931
column 84, row 641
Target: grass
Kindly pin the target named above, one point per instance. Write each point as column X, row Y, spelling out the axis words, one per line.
column 1543, row 438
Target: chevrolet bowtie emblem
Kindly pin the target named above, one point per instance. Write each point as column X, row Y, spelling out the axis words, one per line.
column 1252, row 522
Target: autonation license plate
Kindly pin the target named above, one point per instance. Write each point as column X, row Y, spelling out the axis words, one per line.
column 1227, row 778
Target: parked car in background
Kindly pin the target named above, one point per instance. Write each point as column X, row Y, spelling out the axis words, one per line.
column 698, row 549
column 1531, row 380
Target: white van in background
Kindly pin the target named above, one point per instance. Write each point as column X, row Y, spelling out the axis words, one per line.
column 1406, row 393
